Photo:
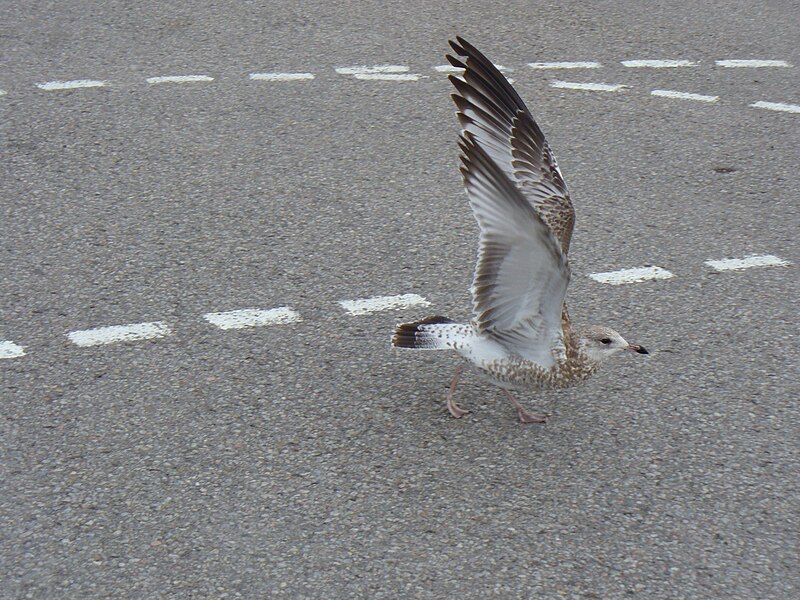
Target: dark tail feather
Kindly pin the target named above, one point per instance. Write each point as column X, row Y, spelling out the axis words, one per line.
column 411, row 335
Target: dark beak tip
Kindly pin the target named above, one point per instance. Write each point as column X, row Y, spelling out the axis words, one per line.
column 642, row 350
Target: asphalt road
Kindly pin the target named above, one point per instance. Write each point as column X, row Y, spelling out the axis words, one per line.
column 309, row 459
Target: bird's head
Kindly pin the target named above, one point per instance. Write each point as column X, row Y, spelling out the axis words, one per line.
column 598, row 342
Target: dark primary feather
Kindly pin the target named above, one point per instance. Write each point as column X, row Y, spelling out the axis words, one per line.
column 492, row 111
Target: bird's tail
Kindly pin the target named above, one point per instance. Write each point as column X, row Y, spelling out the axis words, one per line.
column 432, row 333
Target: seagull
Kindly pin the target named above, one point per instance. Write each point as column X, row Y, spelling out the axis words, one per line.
column 520, row 337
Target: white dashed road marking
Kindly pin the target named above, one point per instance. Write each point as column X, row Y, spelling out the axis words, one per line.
column 10, row 350
column 592, row 87
column 631, row 275
column 565, row 65
column 752, row 63
column 448, row 69
column 387, row 76
column 733, row 264
column 179, row 79
column 366, row 306
column 790, row 108
column 253, row 317
column 452, row 69
column 684, row 96
column 380, row 73
column 71, row 85
column 401, row 73
column 281, row 76
column 374, row 69
column 658, row 64
column 119, row 333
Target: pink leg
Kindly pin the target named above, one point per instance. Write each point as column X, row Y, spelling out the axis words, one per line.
column 524, row 415
column 452, row 407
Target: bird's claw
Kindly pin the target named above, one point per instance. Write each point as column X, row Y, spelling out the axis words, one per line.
column 456, row 411
column 526, row 417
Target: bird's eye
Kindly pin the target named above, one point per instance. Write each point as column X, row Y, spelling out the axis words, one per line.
column 605, row 341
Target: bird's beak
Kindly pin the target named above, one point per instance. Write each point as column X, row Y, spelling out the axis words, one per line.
column 637, row 349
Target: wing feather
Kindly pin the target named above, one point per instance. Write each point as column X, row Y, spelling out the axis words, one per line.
column 521, row 275
column 494, row 114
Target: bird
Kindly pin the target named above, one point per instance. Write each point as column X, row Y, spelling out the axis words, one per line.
column 520, row 337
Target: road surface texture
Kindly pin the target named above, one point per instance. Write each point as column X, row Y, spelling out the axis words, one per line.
column 302, row 457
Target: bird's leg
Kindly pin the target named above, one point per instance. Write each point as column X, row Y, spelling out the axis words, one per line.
column 524, row 415
column 452, row 407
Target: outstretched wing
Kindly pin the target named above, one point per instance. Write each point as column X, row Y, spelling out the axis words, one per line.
column 492, row 111
column 522, row 274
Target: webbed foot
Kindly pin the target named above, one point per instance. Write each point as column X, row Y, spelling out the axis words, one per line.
column 523, row 415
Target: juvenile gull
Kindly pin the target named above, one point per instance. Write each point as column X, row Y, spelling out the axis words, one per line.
column 521, row 337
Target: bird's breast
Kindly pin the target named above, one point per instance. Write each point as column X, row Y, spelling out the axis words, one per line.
column 520, row 374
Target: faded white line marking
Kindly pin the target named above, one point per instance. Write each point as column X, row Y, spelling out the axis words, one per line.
column 658, row 64
column 631, row 275
column 71, row 85
column 374, row 69
column 2, row 92
column 790, row 108
column 684, row 96
column 179, row 79
column 281, row 76
column 253, row 317
column 565, row 65
column 593, row 87
column 380, row 73
column 752, row 63
column 10, row 350
column 119, row 333
column 748, row 262
column 387, row 76
column 448, row 69
column 366, row 306
column 452, row 69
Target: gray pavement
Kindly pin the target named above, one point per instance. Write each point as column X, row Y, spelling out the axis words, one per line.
column 310, row 460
